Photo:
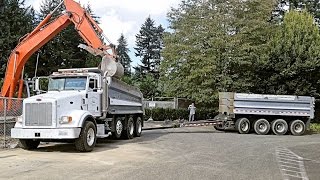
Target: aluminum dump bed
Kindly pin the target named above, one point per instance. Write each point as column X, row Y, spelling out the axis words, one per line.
column 259, row 104
column 123, row 98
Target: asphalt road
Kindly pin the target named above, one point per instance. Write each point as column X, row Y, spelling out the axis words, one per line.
column 184, row 153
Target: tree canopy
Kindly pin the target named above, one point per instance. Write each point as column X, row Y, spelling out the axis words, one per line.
column 215, row 46
column 294, row 57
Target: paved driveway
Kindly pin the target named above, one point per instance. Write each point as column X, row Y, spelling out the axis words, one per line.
column 184, row 153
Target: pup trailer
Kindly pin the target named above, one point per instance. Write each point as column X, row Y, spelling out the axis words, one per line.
column 80, row 106
column 264, row 113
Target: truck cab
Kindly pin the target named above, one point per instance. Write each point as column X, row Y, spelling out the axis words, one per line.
column 80, row 106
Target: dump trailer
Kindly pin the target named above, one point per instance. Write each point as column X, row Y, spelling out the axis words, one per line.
column 80, row 106
column 264, row 113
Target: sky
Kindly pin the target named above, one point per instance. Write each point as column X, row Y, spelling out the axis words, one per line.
column 125, row 16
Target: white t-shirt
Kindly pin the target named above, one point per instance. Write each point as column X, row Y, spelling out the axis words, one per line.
column 192, row 109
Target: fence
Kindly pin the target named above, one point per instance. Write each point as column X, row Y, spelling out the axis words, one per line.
column 9, row 110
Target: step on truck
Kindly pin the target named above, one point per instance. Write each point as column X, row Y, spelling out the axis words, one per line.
column 260, row 113
column 80, row 106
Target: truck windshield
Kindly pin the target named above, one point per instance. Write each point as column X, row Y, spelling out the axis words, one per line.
column 60, row 84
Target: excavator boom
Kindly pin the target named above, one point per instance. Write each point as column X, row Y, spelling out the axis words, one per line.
column 87, row 28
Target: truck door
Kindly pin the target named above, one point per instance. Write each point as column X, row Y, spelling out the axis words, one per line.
column 94, row 97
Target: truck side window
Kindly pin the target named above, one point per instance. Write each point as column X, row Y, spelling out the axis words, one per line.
column 93, row 84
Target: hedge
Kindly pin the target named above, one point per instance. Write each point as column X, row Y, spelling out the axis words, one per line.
column 161, row 114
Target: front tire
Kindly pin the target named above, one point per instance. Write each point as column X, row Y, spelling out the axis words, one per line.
column 297, row 127
column 261, row 126
column 88, row 137
column 279, row 127
column 138, row 127
column 29, row 144
column 243, row 125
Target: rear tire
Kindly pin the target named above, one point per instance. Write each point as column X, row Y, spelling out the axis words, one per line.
column 243, row 125
column 297, row 127
column 129, row 132
column 88, row 137
column 138, row 127
column 118, row 128
column 279, row 127
column 261, row 126
column 29, row 144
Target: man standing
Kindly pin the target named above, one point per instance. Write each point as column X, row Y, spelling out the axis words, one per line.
column 192, row 110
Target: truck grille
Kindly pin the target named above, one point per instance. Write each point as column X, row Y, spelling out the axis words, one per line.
column 38, row 114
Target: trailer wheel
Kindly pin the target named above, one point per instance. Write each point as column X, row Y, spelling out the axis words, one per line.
column 29, row 144
column 279, row 127
column 297, row 127
column 261, row 126
column 138, row 127
column 88, row 137
column 129, row 132
column 243, row 125
column 118, row 128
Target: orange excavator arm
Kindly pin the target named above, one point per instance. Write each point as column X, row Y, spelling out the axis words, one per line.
column 87, row 28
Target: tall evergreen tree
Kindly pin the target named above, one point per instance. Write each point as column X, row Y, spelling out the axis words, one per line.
column 149, row 44
column 16, row 20
column 124, row 58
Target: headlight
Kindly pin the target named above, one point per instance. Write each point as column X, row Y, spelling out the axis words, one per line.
column 65, row 119
column 19, row 119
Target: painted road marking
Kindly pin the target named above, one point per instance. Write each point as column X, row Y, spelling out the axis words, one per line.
column 291, row 165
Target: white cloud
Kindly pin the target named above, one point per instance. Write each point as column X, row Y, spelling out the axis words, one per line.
column 124, row 16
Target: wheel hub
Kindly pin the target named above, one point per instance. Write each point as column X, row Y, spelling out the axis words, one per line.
column 119, row 127
column 280, row 127
column 131, row 128
column 244, row 126
column 139, row 127
column 298, row 128
column 262, row 127
column 90, row 137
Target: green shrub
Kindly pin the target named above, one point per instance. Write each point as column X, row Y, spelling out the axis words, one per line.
column 315, row 127
column 161, row 114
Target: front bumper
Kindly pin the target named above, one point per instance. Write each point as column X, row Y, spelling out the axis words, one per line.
column 70, row 133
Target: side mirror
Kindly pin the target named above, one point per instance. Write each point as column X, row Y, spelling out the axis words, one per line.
column 36, row 86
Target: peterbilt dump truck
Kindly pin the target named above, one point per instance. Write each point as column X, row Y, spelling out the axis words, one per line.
column 264, row 113
column 80, row 106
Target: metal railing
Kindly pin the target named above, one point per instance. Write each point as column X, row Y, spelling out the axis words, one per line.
column 10, row 108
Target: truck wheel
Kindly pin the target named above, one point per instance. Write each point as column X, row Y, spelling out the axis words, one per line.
column 297, row 127
column 129, row 132
column 118, row 127
column 29, row 144
column 261, row 126
column 279, row 127
column 219, row 127
column 138, row 127
column 243, row 125
column 87, row 138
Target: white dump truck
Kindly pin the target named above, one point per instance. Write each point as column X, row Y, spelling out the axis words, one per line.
column 262, row 113
column 80, row 106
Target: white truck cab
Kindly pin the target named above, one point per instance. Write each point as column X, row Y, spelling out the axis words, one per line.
column 81, row 105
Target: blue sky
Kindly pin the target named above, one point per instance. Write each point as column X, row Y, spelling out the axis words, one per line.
column 125, row 16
